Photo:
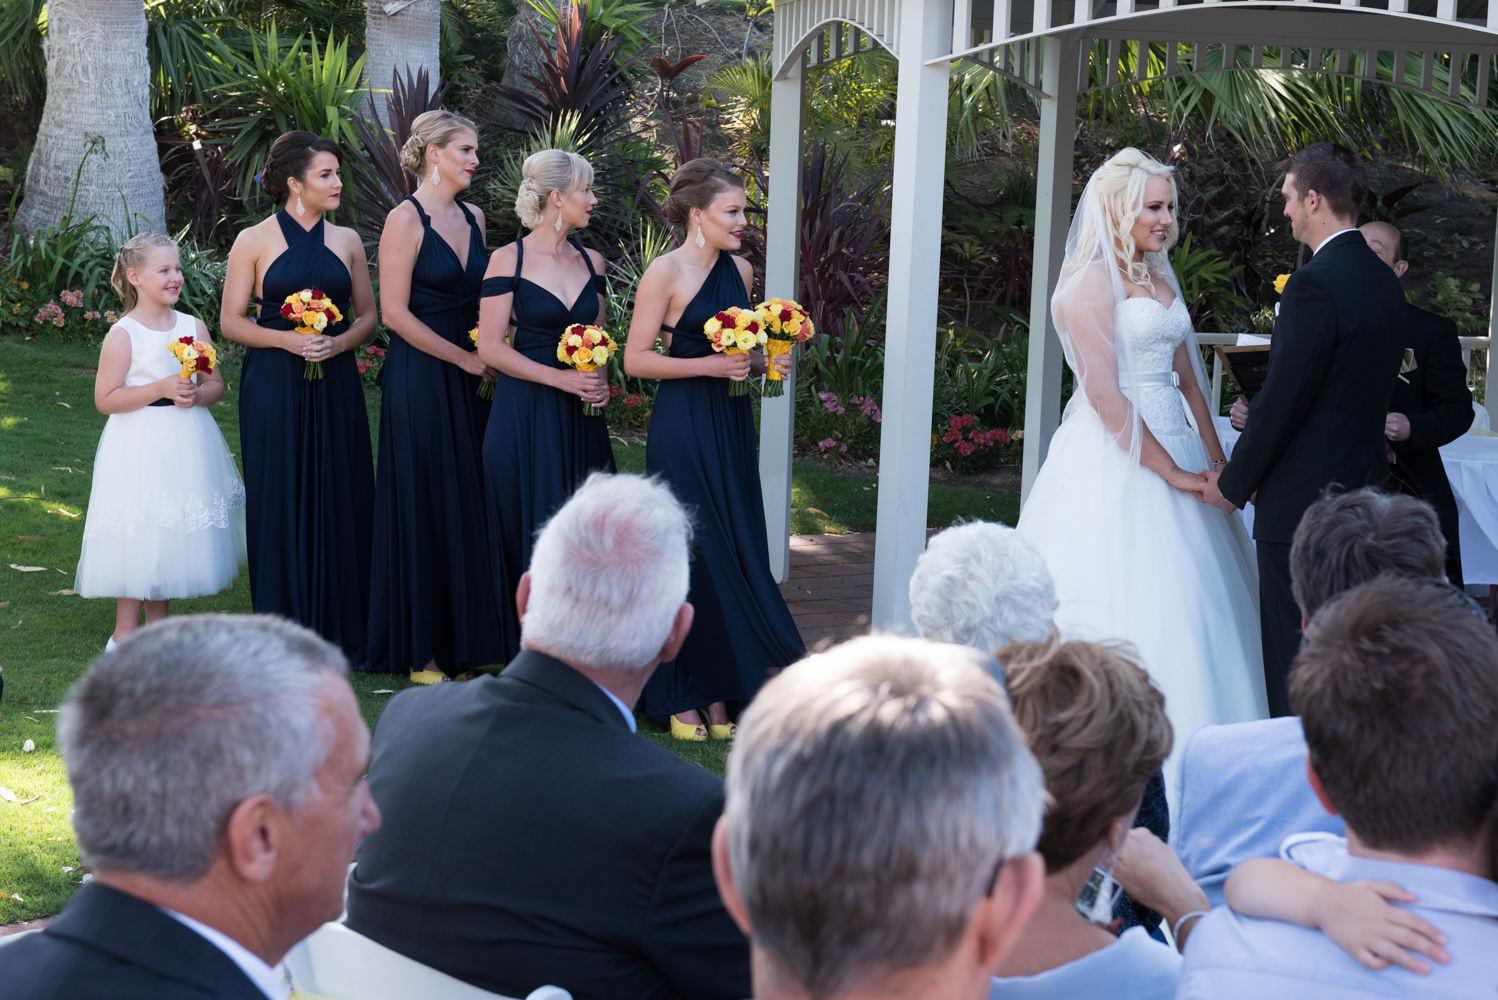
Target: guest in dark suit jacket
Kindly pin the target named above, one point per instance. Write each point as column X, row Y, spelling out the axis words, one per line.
column 1318, row 421
column 1431, row 406
column 530, row 837
column 217, row 765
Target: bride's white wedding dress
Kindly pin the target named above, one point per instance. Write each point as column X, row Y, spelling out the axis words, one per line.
column 1139, row 561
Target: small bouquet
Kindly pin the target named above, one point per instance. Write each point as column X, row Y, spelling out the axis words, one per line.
column 486, row 388
column 586, row 348
column 786, row 324
column 194, row 355
column 311, row 312
column 735, row 331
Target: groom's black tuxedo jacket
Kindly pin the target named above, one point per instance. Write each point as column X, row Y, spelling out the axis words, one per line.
column 1319, row 419
column 529, row 838
column 107, row 944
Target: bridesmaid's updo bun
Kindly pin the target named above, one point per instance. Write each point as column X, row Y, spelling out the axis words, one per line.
column 541, row 174
column 291, row 156
column 695, row 184
column 431, row 128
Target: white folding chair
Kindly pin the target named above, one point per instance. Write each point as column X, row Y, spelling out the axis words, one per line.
column 342, row 964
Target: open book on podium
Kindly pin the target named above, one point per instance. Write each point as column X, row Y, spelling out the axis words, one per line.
column 1246, row 363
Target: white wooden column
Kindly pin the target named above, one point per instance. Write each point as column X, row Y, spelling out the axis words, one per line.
column 1058, row 122
column 1492, row 391
column 777, row 416
column 910, row 332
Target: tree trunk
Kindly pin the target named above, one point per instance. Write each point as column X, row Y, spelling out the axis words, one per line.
column 400, row 36
column 98, row 85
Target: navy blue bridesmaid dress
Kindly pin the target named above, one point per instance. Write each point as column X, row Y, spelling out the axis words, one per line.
column 702, row 441
column 308, row 472
column 431, row 593
column 538, row 447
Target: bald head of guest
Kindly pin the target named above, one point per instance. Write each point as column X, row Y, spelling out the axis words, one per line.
column 1388, row 242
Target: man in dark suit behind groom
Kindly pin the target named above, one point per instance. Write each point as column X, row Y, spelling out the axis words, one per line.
column 1431, row 406
column 1318, row 422
column 531, row 838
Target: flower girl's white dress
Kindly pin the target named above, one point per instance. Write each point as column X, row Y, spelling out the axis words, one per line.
column 166, row 512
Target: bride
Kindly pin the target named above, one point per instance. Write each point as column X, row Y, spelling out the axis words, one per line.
column 1116, row 510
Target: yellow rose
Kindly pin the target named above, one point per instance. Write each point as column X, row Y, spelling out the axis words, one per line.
column 712, row 326
column 473, row 335
column 600, row 355
column 319, row 322
column 574, row 340
column 562, row 354
column 305, row 295
column 1279, row 284
column 791, row 328
column 746, row 341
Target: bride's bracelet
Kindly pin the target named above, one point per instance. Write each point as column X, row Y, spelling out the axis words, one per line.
column 1219, row 463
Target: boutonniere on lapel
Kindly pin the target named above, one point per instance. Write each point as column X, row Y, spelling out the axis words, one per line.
column 1407, row 364
column 1279, row 289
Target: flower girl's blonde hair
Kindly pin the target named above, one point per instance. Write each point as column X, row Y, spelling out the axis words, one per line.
column 131, row 256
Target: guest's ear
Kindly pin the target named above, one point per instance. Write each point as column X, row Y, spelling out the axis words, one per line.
column 1001, row 916
column 523, row 594
column 251, row 838
column 678, row 634
column 1316, row 787
column 733, row 902
column 1401, row 266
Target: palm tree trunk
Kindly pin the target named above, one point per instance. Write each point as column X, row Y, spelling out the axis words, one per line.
column 400, row 36
column 98, row 85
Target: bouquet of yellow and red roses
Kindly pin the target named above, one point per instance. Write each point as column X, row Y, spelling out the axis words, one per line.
column 786, row 323
column 586, row 348
column 735, row 330
column 310, row 312
column 194, row 355
column 486, row 388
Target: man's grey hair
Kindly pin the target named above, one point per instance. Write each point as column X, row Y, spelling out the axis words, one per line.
column 982, row 585
column 1347, row 539
column 872, row 792
column 165, row 735
column 608, row 573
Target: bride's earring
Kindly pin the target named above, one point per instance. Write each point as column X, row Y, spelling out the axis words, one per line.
column 434, row 180
column 700, row 241
column 558, row 226
column 301, row 209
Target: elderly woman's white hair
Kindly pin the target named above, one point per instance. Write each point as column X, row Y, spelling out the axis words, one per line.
column 982, row 585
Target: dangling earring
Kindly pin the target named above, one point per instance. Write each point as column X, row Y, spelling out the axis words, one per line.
column 301, row 209
column 700, row 241
column 434, row 180
column 559, row 222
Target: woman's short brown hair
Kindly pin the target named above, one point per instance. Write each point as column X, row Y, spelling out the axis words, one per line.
column 1097, row 725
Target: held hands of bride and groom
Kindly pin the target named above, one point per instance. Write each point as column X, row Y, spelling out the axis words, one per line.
column 1202, row 485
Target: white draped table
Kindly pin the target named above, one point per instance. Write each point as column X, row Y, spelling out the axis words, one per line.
column 1472, row 466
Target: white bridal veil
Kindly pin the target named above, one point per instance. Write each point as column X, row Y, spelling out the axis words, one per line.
column 1092, row 285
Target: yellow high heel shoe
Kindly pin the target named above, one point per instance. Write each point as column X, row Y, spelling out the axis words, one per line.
column 428, row 677
column 726, row 731
column 688, row 732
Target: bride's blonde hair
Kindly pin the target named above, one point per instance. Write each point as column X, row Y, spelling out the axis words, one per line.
column 1119, row 189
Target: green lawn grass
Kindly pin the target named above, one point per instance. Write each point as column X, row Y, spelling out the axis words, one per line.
column 48, row 433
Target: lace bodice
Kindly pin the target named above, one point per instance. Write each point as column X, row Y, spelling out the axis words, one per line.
column 1149, row 334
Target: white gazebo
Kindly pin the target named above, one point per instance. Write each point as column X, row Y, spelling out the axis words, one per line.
column 1048, row 47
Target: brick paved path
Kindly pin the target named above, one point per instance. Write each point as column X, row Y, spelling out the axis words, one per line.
column 831, row 586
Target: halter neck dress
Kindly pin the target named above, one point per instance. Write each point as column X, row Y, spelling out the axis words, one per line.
column 309, row 474
column 702, row 441
column 431, row 592
column 539, row 446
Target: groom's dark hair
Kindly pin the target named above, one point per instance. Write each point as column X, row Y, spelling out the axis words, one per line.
column 1349, row 538
column 1334, row 172
column 1397, row 689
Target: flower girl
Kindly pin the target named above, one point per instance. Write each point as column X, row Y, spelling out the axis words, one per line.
column 166, row 513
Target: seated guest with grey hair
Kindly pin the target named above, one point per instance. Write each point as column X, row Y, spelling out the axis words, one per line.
column 1098, row 728
column 982, row 585
column 882, row 842
column 1243, row 787
column 217, row 765
column 1397, row 687
column 530, row 836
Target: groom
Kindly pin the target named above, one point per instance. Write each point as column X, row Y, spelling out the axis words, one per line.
column 1318, row 422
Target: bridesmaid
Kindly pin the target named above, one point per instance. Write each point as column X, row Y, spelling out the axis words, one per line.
column 539, row 446
column 702, row 441
column 309, row 477
column 431, row 593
